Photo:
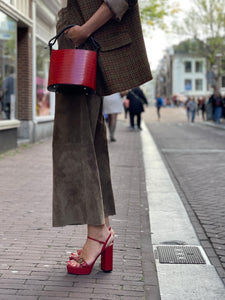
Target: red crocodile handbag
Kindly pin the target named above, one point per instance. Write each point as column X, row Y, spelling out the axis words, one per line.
column 72, row 69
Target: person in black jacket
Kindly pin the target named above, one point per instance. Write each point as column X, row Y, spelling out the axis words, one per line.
column 223, row 107
column 136, row 105
column 217, row 104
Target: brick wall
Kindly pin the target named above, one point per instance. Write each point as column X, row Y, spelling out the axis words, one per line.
column 24, row 73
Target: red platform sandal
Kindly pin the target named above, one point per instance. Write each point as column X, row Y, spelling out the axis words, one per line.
column 84, row 269
column 77, row 254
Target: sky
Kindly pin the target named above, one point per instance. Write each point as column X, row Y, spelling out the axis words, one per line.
column 160, row 41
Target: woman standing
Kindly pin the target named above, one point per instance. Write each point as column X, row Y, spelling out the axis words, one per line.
column 82, row 191
column 112, row 106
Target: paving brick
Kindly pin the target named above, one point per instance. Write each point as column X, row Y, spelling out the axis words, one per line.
column 42, row 293
column 94, row 296
column 49, row 282
column 49, row 298
column 13, row 286
column 15, row 297
column 7, row 291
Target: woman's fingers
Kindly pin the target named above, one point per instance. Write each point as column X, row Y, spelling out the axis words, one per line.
column 76, row 35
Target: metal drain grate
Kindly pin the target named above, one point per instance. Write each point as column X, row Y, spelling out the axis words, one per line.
column 179, row 255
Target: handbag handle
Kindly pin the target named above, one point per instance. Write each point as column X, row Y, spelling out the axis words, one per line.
column 53, row 40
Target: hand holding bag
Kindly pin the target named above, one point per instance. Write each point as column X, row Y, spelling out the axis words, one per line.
column 72, row 70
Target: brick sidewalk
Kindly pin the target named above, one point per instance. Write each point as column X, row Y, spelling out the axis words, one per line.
column 33, row 254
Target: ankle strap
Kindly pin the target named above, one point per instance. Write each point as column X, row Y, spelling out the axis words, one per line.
column 90, row 238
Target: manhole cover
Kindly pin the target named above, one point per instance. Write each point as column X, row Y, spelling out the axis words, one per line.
column 179, row 255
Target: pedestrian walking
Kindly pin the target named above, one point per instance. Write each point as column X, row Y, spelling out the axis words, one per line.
column 159, row 104
column 192, row 109
column 199, row 102
column 112, row 106
column 187, row 108
column 223, row 108
column 217, row 104
column 203, row 108
column 137, row 100
column 82, row 189
column 125, row 102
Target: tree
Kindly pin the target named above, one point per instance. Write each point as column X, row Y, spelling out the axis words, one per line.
column 154, row 12
column 205, row 24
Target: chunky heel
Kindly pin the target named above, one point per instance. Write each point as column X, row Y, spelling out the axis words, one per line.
column 107, row 259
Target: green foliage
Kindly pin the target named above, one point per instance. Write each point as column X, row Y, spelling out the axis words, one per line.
column 154, row 13
column 189, row 46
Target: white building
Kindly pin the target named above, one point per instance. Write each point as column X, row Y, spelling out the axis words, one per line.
column 189, row 75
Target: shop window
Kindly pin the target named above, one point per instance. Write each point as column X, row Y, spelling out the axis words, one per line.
column 8, row 54
column 198, row 66
column 187, row 66
column 198, row 85
column 44, row 103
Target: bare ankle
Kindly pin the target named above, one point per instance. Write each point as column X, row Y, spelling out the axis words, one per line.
column 107, row 222
column 97, row 232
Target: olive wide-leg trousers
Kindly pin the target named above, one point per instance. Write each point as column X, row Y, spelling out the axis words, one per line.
column 82, row 190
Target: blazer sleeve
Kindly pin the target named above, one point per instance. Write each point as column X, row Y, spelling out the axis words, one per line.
column 119, row 7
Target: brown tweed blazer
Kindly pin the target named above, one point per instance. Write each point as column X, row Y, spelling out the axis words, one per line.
column 122, row 61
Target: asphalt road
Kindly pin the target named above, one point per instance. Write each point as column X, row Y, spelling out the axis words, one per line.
column 195, row 157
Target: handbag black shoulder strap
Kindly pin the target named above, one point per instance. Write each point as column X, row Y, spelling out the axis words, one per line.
column 137, row 97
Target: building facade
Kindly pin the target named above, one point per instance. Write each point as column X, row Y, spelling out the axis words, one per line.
column 26, row 107
column 181, row 75
column 189, row 75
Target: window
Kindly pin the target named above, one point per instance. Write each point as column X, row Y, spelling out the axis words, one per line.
column 223, row 64
column 10, row 2
column 8, row 54
column 187, row 85
column 198, row 66
column 44, row 100
column 198, row 85
column 187, row 66
column 223, row 81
